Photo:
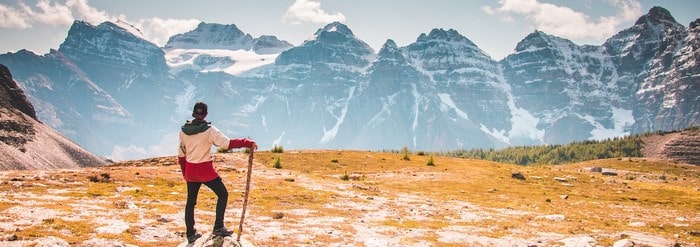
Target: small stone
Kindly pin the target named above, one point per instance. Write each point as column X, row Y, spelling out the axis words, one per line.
column 517, row 175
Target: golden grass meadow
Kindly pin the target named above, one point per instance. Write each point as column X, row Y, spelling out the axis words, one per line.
column 360, row 198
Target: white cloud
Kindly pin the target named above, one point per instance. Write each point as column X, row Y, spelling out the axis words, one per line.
column 309, row 11
column 12, row 18
column 566, row 22
column 166, row 147
column 48, row 12
column 158, row 30
column 88, row 13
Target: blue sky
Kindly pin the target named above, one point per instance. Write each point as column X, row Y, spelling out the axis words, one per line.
column 496, row 26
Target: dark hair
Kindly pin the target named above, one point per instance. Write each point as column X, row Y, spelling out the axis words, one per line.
column 199, row 110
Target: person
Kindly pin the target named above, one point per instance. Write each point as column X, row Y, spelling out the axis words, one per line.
column 194, row 156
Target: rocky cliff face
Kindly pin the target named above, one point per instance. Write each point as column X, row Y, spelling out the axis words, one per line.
column 26, row 143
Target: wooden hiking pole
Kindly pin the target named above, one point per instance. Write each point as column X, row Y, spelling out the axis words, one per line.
column 245, row 195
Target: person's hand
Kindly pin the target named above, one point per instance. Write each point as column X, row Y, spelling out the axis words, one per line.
column 254, row 146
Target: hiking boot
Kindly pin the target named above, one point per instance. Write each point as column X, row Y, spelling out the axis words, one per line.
column 222, row 232
column 191, row 239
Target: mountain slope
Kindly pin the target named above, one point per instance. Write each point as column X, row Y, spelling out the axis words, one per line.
column 26, row 143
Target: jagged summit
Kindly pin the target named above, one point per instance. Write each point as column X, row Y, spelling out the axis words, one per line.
column 694, row 24
column 113, row 45
column 656, row 14
column 212, row 36
column 335, row 27
column 389, row 49
column 268, row 44
column 449, row 35
column 539, row 39
column 334, row 43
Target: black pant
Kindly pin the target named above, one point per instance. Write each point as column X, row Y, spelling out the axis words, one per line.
column 219, row 189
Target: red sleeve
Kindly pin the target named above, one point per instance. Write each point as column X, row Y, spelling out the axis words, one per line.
column 240, row 143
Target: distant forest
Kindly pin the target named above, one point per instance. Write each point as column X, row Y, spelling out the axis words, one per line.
column 629, row 146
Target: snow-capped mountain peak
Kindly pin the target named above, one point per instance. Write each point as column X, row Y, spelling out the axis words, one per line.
column 335, row 27
column 215, row 47
column 211, row 36
column 449, row 35
column 130, row 28
column 334, row 43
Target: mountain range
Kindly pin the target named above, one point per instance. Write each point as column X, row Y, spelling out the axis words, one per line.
column 119, row 95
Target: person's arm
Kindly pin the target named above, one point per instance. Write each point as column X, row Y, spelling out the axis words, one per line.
column 242, row 143
column 181, row 156
column 220, row 140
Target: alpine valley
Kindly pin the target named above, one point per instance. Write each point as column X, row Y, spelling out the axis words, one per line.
column 119, row 95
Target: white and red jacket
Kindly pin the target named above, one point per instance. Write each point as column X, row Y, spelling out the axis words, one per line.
column 194, row 152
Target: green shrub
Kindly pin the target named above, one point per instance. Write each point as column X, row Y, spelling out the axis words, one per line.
column 345, row 177
column 334, row 161
column 430, row 161
column 278, row 163
column 277, row 149
column 406, row 152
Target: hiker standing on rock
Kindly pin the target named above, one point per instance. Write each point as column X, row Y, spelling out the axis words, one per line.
column 194, row 156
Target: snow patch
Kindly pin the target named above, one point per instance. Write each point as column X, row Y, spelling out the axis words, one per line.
column 182, row 59
column 498, row 134
column 416, row 107
column 328, row 135
column 622, row 119
column 447, row 101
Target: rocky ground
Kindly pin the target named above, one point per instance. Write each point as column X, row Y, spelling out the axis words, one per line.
column 346, row 198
